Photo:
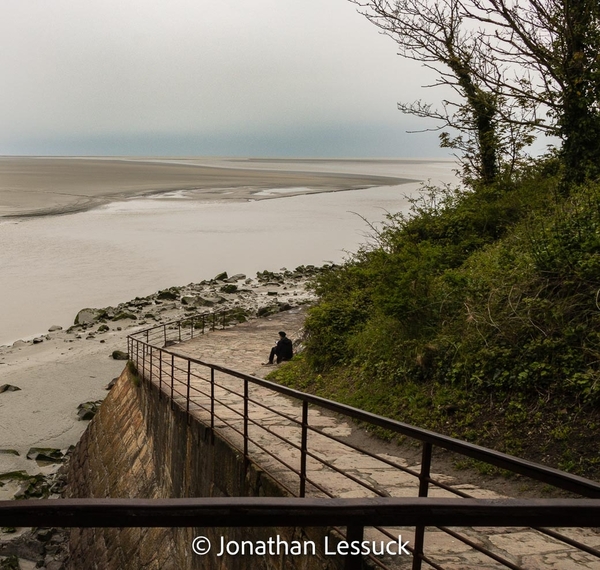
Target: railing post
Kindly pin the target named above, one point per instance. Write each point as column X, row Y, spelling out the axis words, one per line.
column 192, row 327
column 151, row 355
column 212, row 404
column 172, row 378
column 137, row 354
column 144, row 348
column 189, row 382
column 423, row 490
column 246, row 458
column 160, row 359
column 165, row 334
column 354, row 561
column 179, row 327
column 303, row 448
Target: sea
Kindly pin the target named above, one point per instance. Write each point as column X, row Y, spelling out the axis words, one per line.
column 53, row 266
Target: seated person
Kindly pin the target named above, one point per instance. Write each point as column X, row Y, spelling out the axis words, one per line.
column 282, row 350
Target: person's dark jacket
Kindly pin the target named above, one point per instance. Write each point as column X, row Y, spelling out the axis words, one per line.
column 284, row 349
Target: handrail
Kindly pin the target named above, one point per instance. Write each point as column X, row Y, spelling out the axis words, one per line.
column 275, row 511
column 146, row 353
column 543, row 473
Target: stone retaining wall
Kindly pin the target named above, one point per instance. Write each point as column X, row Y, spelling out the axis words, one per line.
column 136, row 446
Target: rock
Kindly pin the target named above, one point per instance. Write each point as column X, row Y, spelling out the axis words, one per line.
column 45, row 454
column 9, row 452
column 54, row 328
column 124, row 315
column 103, row 328
column 167, row 294
column 111, row 383
column 9, row 388
column 119, row 355
column 268, row 310
column 10, row 563
column 221, row 276
column 19, row 343
column 14, row 476
column 229, row 288
column 188, row 300
column 88, row 410
column 44, row 534
column 235, row 278
column 88, row 316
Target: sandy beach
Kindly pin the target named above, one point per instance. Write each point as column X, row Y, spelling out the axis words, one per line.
column 63, row 368
column 37, row 186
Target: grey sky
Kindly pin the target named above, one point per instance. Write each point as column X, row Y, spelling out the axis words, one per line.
column 227, row 77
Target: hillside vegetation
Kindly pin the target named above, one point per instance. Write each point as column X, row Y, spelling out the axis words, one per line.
column 476, row 315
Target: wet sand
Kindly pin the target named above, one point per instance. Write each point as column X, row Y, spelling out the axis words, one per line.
column 37, row 186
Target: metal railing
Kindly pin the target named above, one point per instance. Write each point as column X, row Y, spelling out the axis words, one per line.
column 234, row 404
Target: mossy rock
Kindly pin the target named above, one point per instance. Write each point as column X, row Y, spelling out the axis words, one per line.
column 124, row 315
column 268, row 310
column 10, row 563
column 9, row 452
column 168, row 294
column 229, row 288
column 119, row 355
column 45, row 454
column 221, row 276
column 14, row 476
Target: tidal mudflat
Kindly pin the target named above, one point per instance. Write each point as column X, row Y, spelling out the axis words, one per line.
column 78, row 232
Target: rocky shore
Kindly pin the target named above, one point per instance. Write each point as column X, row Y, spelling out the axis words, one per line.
column 55, row 382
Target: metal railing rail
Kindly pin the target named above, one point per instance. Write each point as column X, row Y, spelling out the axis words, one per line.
column 292, row 512
column 179, row 377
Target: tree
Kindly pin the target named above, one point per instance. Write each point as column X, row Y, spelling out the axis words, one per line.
column 555, row 45
column 434, row 32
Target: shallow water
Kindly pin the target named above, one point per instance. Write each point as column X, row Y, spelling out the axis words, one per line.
column 53, row 266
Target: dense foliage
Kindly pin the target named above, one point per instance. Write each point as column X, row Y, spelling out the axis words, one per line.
column 478, row 314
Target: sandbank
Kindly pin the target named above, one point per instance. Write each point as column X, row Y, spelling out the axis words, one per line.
column 37, row 186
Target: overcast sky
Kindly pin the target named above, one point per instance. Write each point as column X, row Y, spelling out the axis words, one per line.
column 193, row 77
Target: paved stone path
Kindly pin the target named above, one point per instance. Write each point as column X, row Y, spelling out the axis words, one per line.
column 245, row 348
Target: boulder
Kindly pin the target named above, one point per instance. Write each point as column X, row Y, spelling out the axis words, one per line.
column 111, row 383
column 235, row 278
column 9, row 388
column 37, row 340
column 119, row 355
column 55, row 328
column 88, row 410
column 268, row 310
column 167, row 294
column 45, row 454
column 88, row 316
column 10, row 563
column 19, row 343
column 221, row 276
column 229, row 288
column 9, row 452
column 188, row 300
column 124, row 315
